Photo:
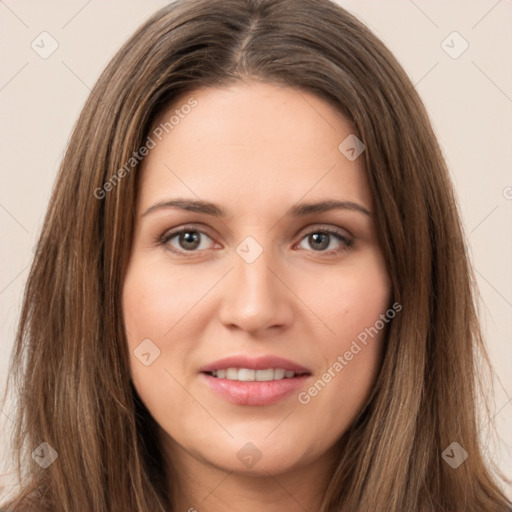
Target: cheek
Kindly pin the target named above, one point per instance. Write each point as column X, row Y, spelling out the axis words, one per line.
column 155, row 308
column 155, row 299
column 354, row 306
column 152, row 304
column 353, row 299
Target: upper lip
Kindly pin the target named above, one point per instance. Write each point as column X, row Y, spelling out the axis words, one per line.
column 254, row 363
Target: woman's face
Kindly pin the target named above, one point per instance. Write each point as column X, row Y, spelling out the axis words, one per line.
column 255, row 336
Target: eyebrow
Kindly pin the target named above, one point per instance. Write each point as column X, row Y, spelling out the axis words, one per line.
column 299, row 210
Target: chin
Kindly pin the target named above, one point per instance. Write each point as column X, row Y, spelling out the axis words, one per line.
column 256, row 455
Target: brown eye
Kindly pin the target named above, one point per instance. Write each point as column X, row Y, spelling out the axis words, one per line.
column 188, row 240
column 191, row 240
column 321, row 239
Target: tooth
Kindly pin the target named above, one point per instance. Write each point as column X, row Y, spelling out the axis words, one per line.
column 279, row 373
column 262, row 375
column 249, row 375
column 246, row 375
column 232, row 374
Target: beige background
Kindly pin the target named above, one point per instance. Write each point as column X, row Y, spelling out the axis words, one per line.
column 469, row 99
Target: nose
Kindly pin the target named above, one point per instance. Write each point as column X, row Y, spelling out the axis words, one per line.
column 256, row 297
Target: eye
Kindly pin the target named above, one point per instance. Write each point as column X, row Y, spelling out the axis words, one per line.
column 320, row 239
column 188, row 239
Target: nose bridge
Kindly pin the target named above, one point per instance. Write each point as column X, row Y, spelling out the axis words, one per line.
column 255, row 298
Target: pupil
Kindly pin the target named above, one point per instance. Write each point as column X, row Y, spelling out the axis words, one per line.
column 315, row 237
column 190, row 237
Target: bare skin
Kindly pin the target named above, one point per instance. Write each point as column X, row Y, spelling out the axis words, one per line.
column 255, row 150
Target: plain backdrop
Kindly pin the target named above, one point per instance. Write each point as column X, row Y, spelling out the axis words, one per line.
column 462, row 78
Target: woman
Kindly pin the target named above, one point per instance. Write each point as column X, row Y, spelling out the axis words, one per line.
column 251, row 289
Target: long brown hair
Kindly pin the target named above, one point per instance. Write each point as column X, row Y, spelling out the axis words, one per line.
column 70, row 362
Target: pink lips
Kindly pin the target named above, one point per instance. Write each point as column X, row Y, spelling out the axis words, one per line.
column 254, row 363
column 257, row 392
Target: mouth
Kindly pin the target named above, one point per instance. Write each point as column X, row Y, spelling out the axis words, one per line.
column 254, row 381
column 250, row 375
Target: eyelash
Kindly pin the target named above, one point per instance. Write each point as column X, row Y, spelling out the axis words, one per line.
column 347, row 242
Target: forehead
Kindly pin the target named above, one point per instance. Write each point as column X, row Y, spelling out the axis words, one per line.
column 252, row 142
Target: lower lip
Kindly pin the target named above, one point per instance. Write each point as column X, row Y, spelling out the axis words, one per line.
column 255, row 393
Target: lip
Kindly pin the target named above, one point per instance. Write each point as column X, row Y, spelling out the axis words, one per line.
column 256, row 393
column 254, row 363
